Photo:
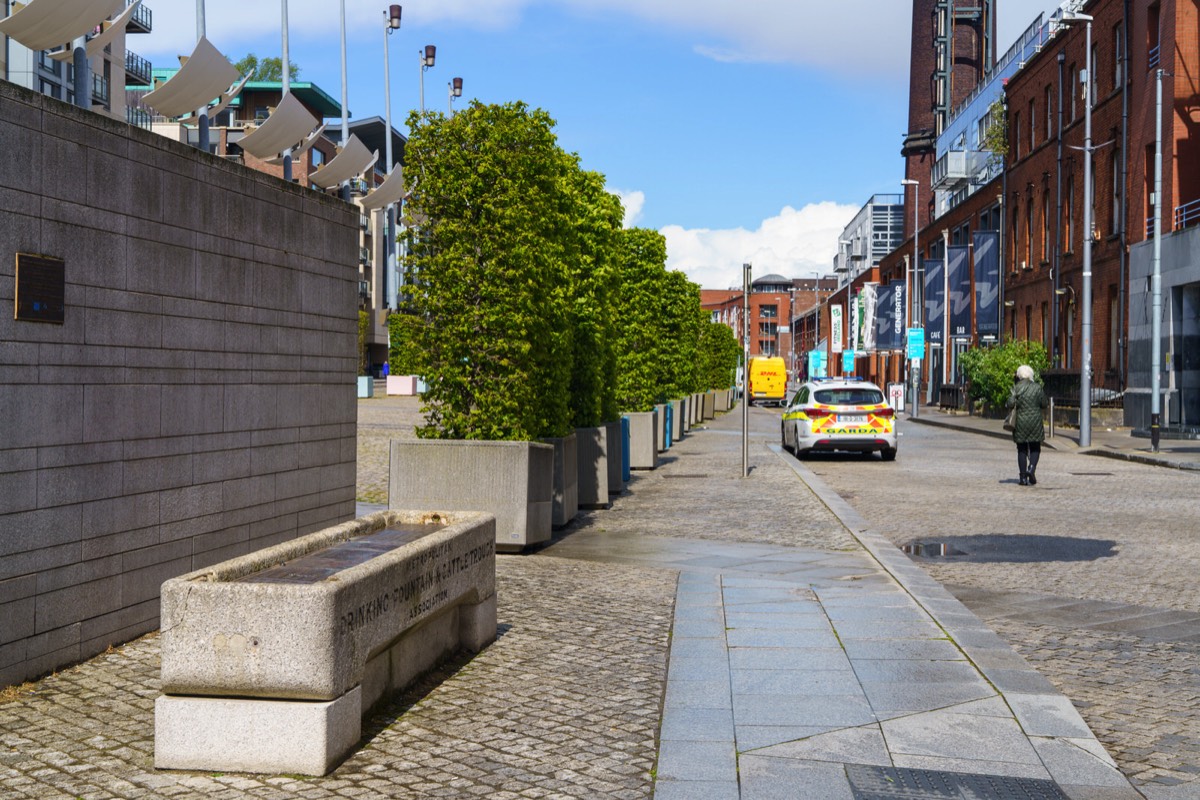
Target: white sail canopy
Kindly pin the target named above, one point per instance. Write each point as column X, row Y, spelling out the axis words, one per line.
column 46, row 24
column 225, row 99
column 353, row 159
column 390, row 191
column 201, row 77
column 300, row 148
column 289, row 123
column 105, row 37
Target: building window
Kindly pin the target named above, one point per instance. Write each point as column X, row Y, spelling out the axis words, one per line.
column 1114, row 328
column 47, row 88
column 1049, row 117
column 768, row 312
column 1046, row 324
column 1114, row 163
column 1032, row 125
column 1016, row 239
column 1153, row 40
column 1029, row 323
column 1073, row 75
column 1118, row 55
column 1016, row 129
column 1028, row 234
column 1045, row 226
column 1092, row 82
column 1068, row 222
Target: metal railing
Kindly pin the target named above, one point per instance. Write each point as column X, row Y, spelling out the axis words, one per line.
column 1187, row 215
column 952, row 396
column 99, row 89
column 138, row 116
column 137, row 67
column 1149, row 227
column 1063, row 386
column 1152, row 56
column 142, row 18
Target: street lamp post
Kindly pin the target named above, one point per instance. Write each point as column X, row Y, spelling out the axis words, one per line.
column 391, row 23
column 1085, row 346
column 453, row 90
column 428, row 56
column 909, row 280
column 345, row 102
column 287, row 83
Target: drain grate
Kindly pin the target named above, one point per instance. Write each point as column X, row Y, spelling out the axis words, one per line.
column 893, row 783
column 930, row 550
column 685, row 475
column 1092, row 474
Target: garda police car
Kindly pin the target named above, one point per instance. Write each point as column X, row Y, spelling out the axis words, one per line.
column 829, row 414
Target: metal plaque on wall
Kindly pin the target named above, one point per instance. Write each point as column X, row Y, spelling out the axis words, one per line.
column 41, row 288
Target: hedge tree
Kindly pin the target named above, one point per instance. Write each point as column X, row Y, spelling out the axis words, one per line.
column 404, row 356
column 642, row 266
column 990, row 370
column 594, row 226
column 679, row 338
column 720, row 355
column 485, row 225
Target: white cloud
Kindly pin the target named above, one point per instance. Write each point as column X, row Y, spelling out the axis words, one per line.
column 794, row 243
column 634, row 202
column 844, row 36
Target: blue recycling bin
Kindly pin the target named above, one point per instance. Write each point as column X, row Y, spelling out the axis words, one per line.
column 626, row 475
column 670, row 424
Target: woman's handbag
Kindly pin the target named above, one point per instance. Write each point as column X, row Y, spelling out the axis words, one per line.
column 1010, row 422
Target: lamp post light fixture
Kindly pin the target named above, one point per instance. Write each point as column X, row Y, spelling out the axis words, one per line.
column 391, row 23
column 453, row 90
column 914, row 272
column 1085, row 368
column 428, row 56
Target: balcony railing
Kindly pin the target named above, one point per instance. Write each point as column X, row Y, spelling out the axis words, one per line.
column 364, row 255
column 137, row 69
column 138, row 116
column 1187, row 215
column 99, row 89
column 142, row 19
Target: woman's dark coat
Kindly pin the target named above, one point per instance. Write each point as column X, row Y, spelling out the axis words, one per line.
column 1029, row 399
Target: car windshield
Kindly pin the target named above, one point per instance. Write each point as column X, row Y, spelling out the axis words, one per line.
column 849, row 396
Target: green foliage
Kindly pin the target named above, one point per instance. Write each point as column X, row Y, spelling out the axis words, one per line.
column 719, row 356
column 995, row 134
column 990, row 370
column 266, row 69
column 364, row 328
column 404, row 355
column 643, row 258
column 595, row 224
column 492, row 283
column 679, row 325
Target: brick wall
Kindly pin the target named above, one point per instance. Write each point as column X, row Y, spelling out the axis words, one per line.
column 198, row 401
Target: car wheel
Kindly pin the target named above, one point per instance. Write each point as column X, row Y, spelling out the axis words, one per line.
column 888, row 454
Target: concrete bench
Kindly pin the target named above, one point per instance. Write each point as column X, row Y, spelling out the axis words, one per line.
column 270, row 661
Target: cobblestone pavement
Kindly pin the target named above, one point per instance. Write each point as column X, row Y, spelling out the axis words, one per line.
column 565, row 704
column 1118, row 537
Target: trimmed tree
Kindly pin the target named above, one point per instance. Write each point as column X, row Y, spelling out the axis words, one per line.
column 404, row 355
column 643, row 256
column 720, row 354
column 484, row 228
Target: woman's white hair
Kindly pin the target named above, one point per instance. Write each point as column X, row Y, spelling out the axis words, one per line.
column 1024, row 373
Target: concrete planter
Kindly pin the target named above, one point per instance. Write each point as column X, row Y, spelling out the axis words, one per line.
column 697, row 406
column 686, row 416
column 677, row 413
column 616, row 456
column 592, row 446
column 723, row 400
column 643, row 439
column 513, row 481
column 566, row 479
column 660, row 428
column 626, row 470
column 366, row 386
column 405, row 385
column 710, row 405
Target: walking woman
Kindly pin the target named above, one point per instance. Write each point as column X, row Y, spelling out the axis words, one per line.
column 1028, row 399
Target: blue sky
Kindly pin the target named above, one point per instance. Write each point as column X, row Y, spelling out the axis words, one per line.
column 744, row 131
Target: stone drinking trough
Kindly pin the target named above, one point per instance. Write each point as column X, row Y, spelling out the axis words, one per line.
column 270, row 661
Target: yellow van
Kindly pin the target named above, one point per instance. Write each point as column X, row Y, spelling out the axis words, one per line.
column 768, row 381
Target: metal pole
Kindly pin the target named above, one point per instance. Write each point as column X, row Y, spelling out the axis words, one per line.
column 916, row 381
column 389, row 242
column 1054, row 324
column 202, row 112
column 1085, row 370
column 421, row 75
column 345, row 102
column 287, row 82
column 1156, row 276
column 745, row 370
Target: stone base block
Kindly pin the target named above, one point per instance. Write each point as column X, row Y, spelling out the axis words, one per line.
column 366, row 386
column 593, row 468
column 643, row 439
column 264, row 736
column 402, row 384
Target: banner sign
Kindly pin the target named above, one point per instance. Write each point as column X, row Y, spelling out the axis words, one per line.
column 958, row 284
column 855, row 331
column 885, row 321
column 987, row 284
column 836, row 332
column 847, row 362
column 916, row 343
column 867, row 296
column 899, row 306
column 935, row 300
column 816, row 364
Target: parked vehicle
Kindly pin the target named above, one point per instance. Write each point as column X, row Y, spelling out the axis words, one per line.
column 768, row 381
column 830, row 414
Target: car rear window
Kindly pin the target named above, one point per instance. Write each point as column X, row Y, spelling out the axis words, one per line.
column 853, row 396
